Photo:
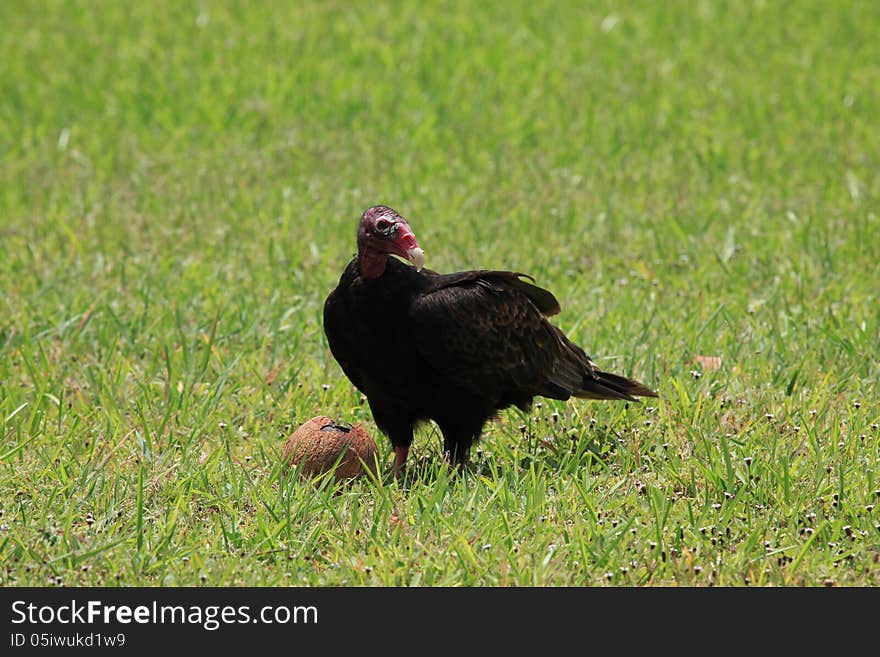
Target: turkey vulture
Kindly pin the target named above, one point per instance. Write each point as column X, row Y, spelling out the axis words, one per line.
column 452, row 348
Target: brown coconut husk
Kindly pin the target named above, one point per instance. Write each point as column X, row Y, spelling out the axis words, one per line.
column 320, row 444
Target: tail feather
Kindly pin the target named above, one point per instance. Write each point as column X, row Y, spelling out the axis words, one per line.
column 604, row 385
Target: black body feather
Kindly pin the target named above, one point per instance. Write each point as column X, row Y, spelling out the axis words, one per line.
column 456, row 349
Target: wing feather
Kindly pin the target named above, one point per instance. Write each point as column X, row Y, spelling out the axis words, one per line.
column 486, row 331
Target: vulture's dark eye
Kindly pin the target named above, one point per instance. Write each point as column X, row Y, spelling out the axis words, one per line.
column 385, row 225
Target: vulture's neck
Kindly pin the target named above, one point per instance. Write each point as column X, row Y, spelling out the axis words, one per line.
column 372, row 263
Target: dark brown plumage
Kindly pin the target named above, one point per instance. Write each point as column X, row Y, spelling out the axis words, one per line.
column 452, row 348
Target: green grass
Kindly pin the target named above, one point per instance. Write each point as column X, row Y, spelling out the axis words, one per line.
column 179, row 189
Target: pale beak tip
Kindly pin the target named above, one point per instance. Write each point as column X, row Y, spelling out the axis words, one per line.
column 417, row 257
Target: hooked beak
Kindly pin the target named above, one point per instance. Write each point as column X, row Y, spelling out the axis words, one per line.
column 407, row 247
column 417, row 257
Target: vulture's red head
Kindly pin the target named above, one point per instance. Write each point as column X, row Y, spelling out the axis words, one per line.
column 383, row 231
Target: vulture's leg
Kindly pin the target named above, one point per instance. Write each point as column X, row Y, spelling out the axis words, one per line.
column 457, row 455
column 400, row 430
column 400, row 454
column 457, row 440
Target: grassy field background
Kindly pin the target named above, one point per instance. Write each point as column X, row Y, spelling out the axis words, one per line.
column 697, row 182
